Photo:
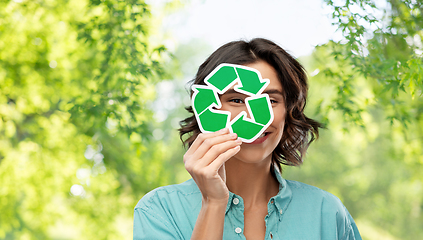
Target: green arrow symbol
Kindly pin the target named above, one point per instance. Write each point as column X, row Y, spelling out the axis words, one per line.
column 203, row 98
column 222, row 77
column 213, row 121
column 260, row 109
column 206, row 102
column 246, row 129
column 250, row 80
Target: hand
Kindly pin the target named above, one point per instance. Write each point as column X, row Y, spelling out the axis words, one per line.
column 205, row 160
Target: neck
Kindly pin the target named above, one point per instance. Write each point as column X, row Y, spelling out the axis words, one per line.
column 252, row 181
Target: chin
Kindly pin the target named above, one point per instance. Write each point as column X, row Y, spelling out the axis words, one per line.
column 248, row 155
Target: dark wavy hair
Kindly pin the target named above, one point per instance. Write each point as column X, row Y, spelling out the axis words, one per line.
column 299, row 130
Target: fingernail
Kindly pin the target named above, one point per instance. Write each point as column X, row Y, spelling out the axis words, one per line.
column 233, row 135
column 239, row 141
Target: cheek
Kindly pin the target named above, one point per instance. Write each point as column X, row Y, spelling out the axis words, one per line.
column 281, row 127
column 279, row 123
column 279, row 117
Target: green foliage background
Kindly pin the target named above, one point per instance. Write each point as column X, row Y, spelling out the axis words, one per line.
column 80, row 143
column 75, row 81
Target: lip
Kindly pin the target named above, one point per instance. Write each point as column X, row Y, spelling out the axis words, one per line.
column 260, row 140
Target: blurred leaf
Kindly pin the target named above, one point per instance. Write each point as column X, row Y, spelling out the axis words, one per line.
column 76, row 78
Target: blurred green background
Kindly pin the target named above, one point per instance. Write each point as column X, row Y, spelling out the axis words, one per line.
column 91, row 97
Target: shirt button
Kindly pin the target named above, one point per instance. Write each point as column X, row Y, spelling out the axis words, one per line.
column 238, row 230
column 280, row 211
column 235, row 201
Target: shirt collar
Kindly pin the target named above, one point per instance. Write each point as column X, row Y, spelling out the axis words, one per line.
column 281, row 200
column 284, row 196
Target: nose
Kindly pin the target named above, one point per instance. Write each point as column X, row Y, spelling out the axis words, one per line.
column 247, row 111
column 240, row 110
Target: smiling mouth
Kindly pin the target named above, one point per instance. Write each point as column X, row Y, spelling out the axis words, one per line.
column 262, row 138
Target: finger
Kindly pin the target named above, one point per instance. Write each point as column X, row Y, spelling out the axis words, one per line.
column 219, row 161
column 210, row 143
column 203, row 139
column 195, row 163
column 216, row 150
column 203, row 136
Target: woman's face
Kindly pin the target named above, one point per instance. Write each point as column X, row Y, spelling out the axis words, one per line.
column 259, row 151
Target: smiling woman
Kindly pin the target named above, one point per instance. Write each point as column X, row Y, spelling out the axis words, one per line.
column 233, row 102
column 236, row 190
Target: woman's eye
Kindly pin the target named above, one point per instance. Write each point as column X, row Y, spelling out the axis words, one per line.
column 236, row 100
column 273, row 101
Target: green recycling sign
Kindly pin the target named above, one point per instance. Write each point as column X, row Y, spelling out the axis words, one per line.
column 206, row 102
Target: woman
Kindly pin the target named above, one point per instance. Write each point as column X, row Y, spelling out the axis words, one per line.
column 236, row 190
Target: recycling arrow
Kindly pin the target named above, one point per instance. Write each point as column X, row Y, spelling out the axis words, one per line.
column 222, row 77
column 261, row 115
column 213, row 121
column 250, row 80
column 244, row 128
column 204, row 97
column 206, row 103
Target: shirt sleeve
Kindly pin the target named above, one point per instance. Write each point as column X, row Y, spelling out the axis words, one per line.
column 148, row 225
column 352, row 233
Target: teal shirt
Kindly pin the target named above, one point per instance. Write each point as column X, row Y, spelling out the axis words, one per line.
column 298, row 211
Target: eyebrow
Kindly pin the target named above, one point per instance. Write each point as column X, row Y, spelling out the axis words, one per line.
column 231, row 91
column 270, row 91
column 273, row 91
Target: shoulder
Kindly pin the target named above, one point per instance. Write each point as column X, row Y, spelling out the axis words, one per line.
column 167, row 212
column 185, row 191
column 325, row 206
column 315, row 201
column 312, row 194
